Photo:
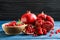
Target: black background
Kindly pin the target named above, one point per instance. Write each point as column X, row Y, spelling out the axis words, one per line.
column 13, row 9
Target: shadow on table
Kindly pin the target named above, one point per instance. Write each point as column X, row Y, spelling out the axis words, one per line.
column 3, row 35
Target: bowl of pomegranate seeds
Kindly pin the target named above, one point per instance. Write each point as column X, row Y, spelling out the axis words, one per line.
column 12, row 28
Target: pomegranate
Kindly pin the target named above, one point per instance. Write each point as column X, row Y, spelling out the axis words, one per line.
column 29, row 29
column 28, row 17
column 45, row 21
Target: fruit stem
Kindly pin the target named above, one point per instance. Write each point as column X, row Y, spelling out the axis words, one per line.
column 28, row 11
column 42, row 12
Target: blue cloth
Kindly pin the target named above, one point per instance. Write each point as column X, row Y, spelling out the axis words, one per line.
column 3, row 36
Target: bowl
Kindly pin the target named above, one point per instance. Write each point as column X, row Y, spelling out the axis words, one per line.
column 12, row 30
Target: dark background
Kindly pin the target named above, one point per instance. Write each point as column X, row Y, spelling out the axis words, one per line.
column 13, row 9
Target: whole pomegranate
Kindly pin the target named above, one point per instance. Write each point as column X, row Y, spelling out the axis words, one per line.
column 28, row 18
column 45, row 21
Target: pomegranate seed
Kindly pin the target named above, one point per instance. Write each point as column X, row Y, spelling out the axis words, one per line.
column 56, row 32
column 52, row 32
column 50, row 35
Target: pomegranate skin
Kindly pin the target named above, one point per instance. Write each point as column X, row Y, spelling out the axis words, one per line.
column 28, row 18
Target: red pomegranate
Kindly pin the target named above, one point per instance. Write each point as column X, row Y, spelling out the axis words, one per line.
column 29, row 29
column 45, row 21
column 28, row 17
